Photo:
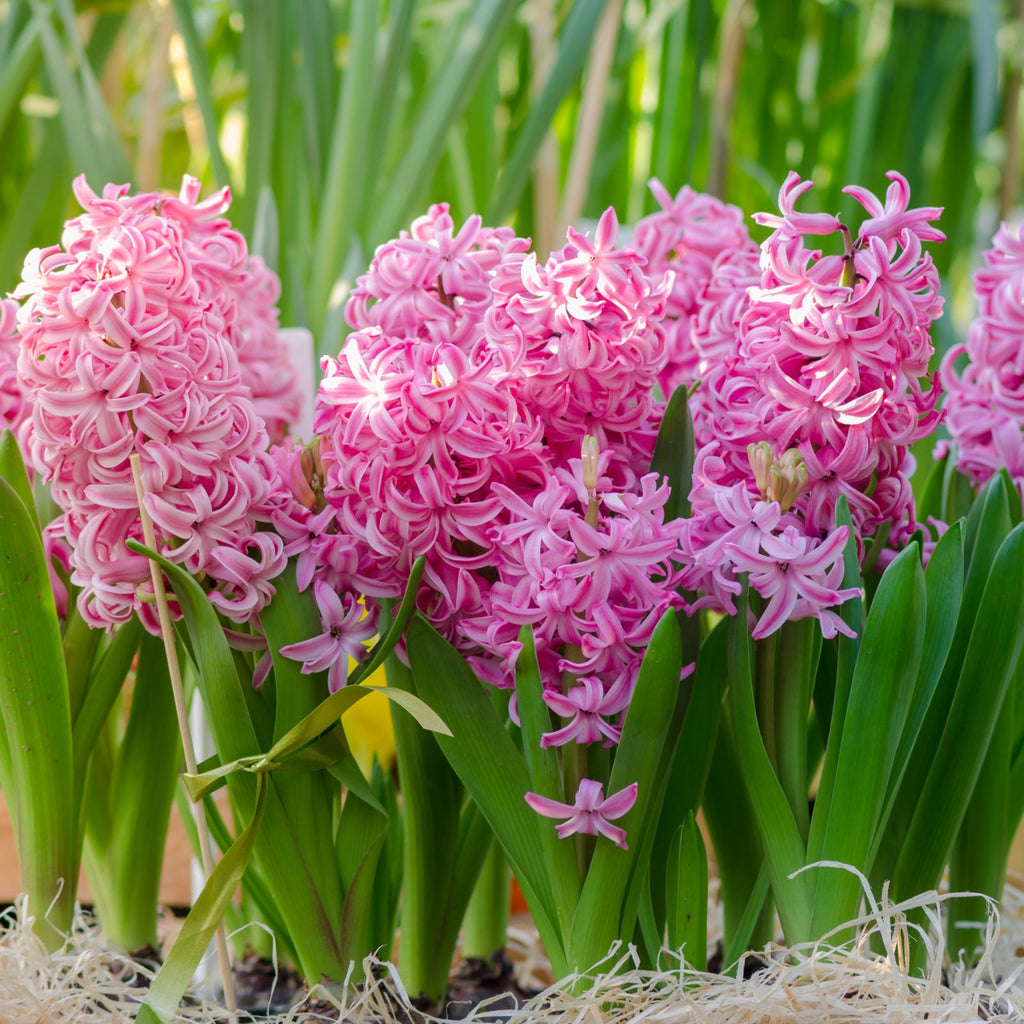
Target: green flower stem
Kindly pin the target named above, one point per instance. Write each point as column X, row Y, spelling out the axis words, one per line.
column 764, row 693
column 486, row 922
column 431, row 795
column 733, row 829
column 795, row 666
column 978, row 859
column 80, row 642
column 124, row 870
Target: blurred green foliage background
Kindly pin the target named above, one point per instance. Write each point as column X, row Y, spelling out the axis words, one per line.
column 336, row 122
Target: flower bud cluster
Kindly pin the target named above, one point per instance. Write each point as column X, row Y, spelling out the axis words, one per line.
column 687, row 236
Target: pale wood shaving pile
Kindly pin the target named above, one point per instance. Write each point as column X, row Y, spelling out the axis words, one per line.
column 86, row 981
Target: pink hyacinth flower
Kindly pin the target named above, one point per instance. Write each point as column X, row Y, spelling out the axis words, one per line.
column 590, row 813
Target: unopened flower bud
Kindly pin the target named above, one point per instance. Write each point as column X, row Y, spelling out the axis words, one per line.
column 787, row 478
column 589, row 454
column 760, row 456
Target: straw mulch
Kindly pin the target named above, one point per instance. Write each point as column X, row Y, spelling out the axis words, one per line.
column 814, row 984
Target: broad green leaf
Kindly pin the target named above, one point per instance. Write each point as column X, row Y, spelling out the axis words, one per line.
column 145, row 778
column 278, row 853
column 944, row 586
column 37, row 754
column 783, row 847
column 399, row 621
column 12, row 469
column 687, row 895
column 673, row 453
column 535, row 720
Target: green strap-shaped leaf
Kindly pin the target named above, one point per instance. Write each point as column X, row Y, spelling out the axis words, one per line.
column 783, row 847
column 492, row 770
column 387, row 643
column 193, row 940
column 38, row 758
column 318, row 722
column 985, row 673
column 880, row 697
column 12, row 469
column 545, row 775
column 673, row 453
column 279, row 853
column 611, row 892
column 687, row 895
column 944, row 586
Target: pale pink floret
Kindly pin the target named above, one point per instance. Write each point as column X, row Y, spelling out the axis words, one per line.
column 799, row 576
column 14, row 409
column 590, row 813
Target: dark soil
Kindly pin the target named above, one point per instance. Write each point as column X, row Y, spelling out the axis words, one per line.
column 476, row 980
column 752, row 963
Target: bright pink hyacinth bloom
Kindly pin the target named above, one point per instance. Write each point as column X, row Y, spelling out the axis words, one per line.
column 126, row 348
column 823, row 357
column 686, row 236
column 583, row 338
column 590, row 813
column 985, row 401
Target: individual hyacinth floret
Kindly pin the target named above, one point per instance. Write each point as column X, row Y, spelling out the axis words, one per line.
column 985, row 400
column 128, row 332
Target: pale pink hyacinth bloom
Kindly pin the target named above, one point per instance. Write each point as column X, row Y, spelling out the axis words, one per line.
column 14, row 409
column 985, row 400
column 124, row 350
column 591, row 811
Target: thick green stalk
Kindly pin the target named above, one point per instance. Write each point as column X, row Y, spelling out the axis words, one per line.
column 796, row 662
column 143, row 790
column 430, row 802
column 486, row 921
